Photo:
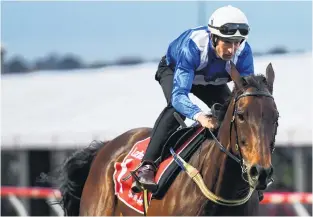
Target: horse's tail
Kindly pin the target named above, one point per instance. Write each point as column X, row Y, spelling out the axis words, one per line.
column 70, row 178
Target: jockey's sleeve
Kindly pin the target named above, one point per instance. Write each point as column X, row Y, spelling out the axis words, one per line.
column 187, row 62
column 245, row 63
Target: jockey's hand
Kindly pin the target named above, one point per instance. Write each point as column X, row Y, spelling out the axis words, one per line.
column 207, row 121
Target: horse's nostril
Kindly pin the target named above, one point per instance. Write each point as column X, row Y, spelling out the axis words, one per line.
column 254, row 171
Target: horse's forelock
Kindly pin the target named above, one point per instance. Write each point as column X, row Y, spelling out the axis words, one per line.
column 255, row 81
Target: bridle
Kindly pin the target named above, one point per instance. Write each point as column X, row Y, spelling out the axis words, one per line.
column 195, row 175
column 233, row 123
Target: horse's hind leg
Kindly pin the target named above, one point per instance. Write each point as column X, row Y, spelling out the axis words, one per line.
column 98, row 198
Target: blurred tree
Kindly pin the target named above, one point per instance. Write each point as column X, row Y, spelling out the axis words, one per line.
column 129, row 61
column 278, row 50
column 70, row 62
column 17, row 65
column 50, row 62
column 97, row 64
column 3, row 66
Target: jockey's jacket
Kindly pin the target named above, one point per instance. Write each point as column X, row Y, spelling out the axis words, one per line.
column 195, row 62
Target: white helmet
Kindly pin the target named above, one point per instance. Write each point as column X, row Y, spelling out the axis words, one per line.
column 229, row 22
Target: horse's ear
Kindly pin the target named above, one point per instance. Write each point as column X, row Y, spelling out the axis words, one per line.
column 235, row 75
column 270, row 77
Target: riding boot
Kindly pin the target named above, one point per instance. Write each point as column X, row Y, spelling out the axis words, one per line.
column 146, row 175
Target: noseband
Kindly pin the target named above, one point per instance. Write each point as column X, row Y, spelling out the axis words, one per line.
column 239, row 160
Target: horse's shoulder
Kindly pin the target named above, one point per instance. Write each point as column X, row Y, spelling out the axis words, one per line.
column 137, row 134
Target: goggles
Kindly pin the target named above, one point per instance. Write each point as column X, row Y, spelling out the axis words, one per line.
column 231, row 28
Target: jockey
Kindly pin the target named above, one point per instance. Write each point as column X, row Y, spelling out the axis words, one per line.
column 197, row 62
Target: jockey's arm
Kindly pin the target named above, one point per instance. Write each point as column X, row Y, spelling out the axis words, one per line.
column 245, row 65
column 187, row 63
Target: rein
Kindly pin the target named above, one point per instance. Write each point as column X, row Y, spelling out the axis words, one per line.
column 195, row 175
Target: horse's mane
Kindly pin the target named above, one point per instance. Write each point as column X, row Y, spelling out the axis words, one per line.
column 256, row 81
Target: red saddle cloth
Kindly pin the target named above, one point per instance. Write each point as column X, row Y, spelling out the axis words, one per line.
column 130, row 162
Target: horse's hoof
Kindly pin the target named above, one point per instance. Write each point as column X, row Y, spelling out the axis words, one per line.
column 136, row 188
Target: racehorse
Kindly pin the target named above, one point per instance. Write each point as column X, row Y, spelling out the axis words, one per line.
column 234, row 164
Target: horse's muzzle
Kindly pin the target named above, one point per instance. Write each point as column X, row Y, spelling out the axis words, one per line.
column 261, row 175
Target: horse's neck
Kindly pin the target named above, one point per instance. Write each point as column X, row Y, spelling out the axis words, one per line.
column 221, row 173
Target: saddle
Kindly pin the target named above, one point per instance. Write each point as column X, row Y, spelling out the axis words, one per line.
column 184, row 142
column 183, row 133
column 175, row 141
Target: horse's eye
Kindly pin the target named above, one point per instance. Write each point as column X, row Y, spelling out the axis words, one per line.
column 240, row 117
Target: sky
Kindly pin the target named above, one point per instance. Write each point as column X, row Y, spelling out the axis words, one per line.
column 108, row 30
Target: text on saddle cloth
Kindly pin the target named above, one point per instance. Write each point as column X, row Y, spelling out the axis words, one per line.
column 164, row 176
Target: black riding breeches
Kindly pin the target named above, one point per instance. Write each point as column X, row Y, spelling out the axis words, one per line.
column 166, row 124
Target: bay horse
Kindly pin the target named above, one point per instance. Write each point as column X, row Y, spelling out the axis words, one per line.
column 233, row 166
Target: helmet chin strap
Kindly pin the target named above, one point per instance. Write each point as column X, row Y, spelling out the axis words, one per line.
column 214, row 40
column 214, row 43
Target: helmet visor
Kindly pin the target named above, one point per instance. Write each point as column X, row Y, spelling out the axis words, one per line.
column 231, row 28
